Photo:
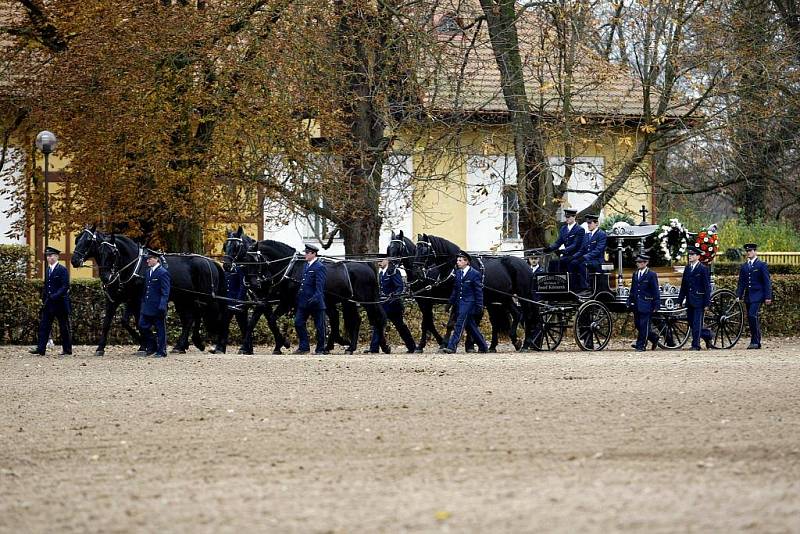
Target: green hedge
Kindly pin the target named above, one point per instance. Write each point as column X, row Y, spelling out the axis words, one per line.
column 20, row 302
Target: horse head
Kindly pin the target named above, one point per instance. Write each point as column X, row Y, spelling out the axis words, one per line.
column 107, row 259
column 235, row 248
column 423, row 257
column 400, row 251
column 87, row 243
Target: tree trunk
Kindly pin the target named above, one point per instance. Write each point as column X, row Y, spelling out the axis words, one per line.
column 534, row 182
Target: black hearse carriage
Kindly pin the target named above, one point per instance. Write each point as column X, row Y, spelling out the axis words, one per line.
column 591, row 317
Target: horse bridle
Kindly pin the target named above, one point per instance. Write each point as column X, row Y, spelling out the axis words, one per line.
column 238, row 253
column 94, row 240
column 116, row 273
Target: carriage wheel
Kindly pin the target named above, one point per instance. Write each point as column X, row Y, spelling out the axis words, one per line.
column 725, row 318
column 553, row 326
column 672, row 328
column 593, row 326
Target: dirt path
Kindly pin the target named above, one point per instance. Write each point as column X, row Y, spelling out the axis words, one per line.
column 568, row 441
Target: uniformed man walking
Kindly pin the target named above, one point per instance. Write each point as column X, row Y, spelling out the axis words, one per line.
column 311, row 301
column 467, row 297
column 644, row 299
column 392, row 288
column 755, row 287
column 55, row 304
column 157, row 285
column 696, row 292
column 568, row 244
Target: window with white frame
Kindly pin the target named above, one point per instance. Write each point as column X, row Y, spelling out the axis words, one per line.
column 510, row 212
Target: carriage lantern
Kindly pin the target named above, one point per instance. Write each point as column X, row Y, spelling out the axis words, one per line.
column 46, row 142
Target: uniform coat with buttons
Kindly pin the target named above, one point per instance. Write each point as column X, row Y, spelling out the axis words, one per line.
column 696, row 292
column 572, row 239
column 590, row 258
column 467, row 295
column 155, row 299
column 645, row 298
column 55, row 305
column 755, row 287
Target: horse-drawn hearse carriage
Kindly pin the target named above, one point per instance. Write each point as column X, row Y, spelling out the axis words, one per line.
column 591, row 314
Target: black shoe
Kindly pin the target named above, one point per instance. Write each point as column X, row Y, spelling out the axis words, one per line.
column 640, row 350
column 36, row 351
column 141, row 353
column 753, row 346
column 387, row 349
column 300, row 351
column 696, row 348
column 159, row 355
column 217, row 350
column 446, row 350
column 368, row 351
column 483, row 351
column 709, row 346
column 633, row 345
column 321, row 352
column 65, row 354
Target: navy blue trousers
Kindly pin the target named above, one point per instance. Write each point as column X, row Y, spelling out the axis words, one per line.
column 49, row 315
column 642, row 321
column 695, row 317
column 157, row 344
column 465, row 320
column 755, row 325
column 396, row 317
column 300, row 319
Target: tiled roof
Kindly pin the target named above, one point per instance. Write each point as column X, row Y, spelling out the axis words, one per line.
column 599, row 89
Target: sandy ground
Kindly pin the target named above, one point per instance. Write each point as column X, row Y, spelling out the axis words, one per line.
column 565, row 441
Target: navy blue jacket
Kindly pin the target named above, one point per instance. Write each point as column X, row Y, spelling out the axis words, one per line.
column 468, row 289
column 156, row 291
column 391, row 285
column 696, row 286
column 312, row 286
column 572, row 240
column 755, row 282
column 55, row 291
column 594, row 247
column 234, row 282
column 645, row 294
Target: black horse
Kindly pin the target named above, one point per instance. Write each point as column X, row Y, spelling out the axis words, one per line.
column 273, row 271
column 197, row 282
column 123, row 288
column 430, row 264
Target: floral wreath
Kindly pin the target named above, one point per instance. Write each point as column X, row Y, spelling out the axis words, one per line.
column 708, row 243
column 674, row 240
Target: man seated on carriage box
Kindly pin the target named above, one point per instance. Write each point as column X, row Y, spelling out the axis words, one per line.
column 591, row 256
column 696, row 292
column 644, row 298
column 568, row 244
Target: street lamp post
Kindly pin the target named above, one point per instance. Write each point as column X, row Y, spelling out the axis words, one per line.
column 46, row 142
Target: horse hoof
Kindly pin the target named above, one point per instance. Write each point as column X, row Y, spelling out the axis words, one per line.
column 348, row 351
column 99, row 353
column 285, row 344
column 178, row 351
column 277, row 351
column 493, row 349
column 418, row 351
column 201, row 347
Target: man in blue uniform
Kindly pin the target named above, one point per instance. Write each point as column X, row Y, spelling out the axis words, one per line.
column 392, row 289
column 311, row 301
column 157, row 285
column 236, row 291
column 55, row 304
column 568, row 244
column 467, row 298
column 644, row 299
column 592, row 254
column 755, row 287
column 696, row 292
column 533, row 329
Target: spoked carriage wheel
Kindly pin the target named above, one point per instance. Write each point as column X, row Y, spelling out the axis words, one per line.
column 725, row 318
column 672, row 328
column 593, row 326
column 553, row 326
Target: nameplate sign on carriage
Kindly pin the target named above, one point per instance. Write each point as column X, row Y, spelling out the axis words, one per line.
column 552, row 283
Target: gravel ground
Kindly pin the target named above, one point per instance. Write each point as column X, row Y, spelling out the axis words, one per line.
column 566, row 441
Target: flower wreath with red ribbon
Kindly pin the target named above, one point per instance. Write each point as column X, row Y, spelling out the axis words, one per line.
column 708, row 243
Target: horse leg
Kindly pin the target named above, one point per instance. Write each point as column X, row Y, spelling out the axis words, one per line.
column 185, row 314
column 335, row 336
column 352, row 324
column 224, row 332
column 274, row 327
column 197, row 335
column 133, row 309
column 108, row 318
column 247, row 337
column 377, row 320
column 516, row 317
